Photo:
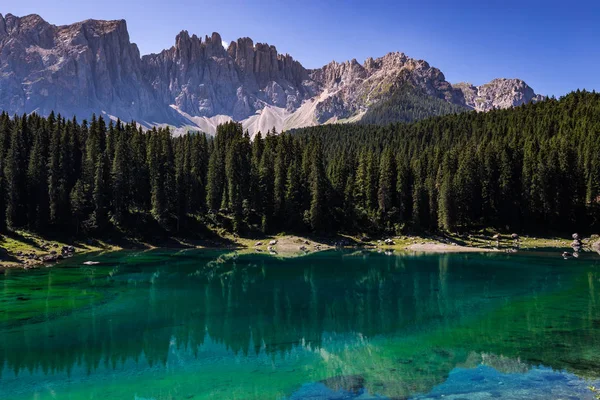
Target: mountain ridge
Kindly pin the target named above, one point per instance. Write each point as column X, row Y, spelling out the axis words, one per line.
column 92, row 66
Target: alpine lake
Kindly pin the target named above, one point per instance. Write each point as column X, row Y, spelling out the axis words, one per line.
column 208, row 324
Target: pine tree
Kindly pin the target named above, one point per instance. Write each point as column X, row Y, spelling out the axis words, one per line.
column 293, row 197
column 387, row 184
column 446, row 217
column 318, row 196
column 37, row 182
column 140, row 190
column 256, row 200
column 215, row 178
column 79, row 206
column 198, row 168
column 266, row 183
column 101, row 193
column 54, row 175
column 5, row 130
column 233, row 171
column 120, row 178
column 280, row 175
column 15, row 175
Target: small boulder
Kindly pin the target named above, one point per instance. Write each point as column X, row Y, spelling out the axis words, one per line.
column 272, row 242
column 49, row 258
column 596, row 246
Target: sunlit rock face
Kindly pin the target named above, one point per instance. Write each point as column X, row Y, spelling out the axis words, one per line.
column 499, row 93
column 92, row 67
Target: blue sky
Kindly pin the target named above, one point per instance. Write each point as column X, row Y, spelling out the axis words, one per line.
column 554, row 46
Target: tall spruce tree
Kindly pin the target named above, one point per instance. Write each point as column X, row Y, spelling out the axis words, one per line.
column 15, row 173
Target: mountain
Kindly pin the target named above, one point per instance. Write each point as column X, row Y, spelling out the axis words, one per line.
column 499, row 93
column 92, row 67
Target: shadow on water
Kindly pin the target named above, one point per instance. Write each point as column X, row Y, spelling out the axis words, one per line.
column 259, row 327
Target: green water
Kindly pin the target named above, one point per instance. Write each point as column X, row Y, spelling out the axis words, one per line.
column 334, row 325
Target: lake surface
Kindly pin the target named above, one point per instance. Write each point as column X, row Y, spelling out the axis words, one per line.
column 335, row 325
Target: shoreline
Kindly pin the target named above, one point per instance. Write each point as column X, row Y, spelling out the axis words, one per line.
column 28, row 251
column 447, row 248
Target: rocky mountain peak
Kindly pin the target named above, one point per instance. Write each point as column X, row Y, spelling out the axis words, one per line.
column 32, row 26
column 24, row 24
column 498, row 93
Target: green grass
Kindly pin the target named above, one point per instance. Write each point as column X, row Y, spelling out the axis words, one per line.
column 23, row 242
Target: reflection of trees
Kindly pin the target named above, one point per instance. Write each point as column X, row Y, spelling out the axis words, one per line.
column 255, row 304
column 559, row 330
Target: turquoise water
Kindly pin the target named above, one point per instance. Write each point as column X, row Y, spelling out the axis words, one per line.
column 335, row 325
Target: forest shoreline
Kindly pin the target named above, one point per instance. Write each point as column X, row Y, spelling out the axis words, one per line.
column 18, row 248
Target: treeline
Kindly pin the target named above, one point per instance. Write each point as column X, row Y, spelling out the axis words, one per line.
column 532, row 167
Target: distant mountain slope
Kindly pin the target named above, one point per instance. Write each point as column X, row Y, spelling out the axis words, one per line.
column 407, row 104
column 92, row 67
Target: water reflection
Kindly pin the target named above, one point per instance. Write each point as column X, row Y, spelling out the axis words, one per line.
column 398, row 324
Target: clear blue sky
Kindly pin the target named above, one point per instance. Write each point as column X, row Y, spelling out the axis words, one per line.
column 553, row 45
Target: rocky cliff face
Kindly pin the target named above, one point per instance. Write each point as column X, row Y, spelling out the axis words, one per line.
column 203, row 79
column 92, row 67
column 499, row 93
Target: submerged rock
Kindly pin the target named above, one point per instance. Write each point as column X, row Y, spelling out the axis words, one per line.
column 348, row 383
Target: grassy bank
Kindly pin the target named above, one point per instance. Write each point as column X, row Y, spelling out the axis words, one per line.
column 27, row 250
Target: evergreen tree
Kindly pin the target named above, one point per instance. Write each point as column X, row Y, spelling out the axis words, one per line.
column 15, row 175
column 37, row 182
column 318, row 189
column 101, row 193
column 387, row 185
column 78, row 204
column 120, row 178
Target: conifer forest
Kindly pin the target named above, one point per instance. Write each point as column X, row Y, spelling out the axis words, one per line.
column 533, row 167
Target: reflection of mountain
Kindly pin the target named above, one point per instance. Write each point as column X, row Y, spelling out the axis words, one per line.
column 400, row 322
